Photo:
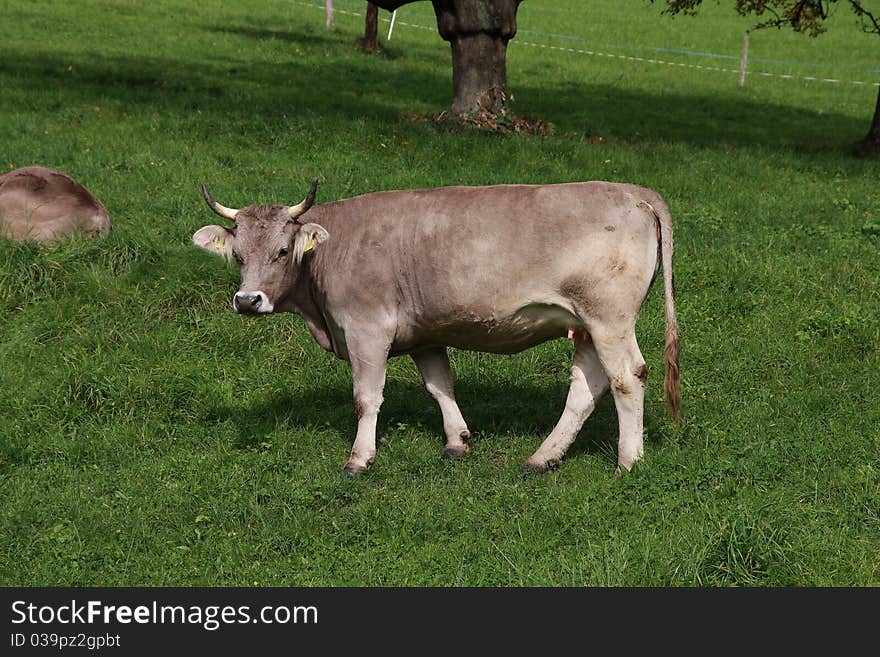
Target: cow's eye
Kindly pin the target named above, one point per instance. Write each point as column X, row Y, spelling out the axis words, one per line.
column 282, row 253
column 237, row 257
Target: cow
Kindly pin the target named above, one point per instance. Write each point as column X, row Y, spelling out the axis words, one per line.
column 43, row 204
column 495, row 269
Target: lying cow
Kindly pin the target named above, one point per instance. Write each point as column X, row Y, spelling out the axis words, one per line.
column 43, row 204
column 497, row 269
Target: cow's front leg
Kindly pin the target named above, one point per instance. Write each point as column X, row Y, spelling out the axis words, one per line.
column 434, row 367
column 368, row 374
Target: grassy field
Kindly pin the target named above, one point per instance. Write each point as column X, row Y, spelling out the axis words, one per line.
column 149, row 436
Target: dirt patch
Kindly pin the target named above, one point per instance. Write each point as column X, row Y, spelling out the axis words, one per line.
column 503, row 122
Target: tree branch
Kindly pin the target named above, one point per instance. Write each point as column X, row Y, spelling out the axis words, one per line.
column 391, row 5
column 864, row 15
column 799, row 15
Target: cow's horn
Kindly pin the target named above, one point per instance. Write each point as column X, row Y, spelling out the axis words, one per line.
column 222, row 210
column 300, row 208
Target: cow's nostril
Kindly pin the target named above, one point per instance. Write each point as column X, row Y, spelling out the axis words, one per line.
column 251, row 302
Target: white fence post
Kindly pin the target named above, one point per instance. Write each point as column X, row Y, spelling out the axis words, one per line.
column 743, row 62
column 391, row 27
column 329, row 6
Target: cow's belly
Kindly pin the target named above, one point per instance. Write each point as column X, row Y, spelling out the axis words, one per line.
column 505, row 332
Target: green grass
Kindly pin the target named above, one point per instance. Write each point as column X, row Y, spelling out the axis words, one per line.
column 149, row 436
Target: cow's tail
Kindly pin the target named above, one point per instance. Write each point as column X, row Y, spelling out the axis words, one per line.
column 672, row 378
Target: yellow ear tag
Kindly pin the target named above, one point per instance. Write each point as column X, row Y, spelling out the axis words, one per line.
column 219, row 244
column 310, row 245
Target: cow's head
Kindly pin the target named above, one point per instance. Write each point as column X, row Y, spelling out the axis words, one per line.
column 268, row 242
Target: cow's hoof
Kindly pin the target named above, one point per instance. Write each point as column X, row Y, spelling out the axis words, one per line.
column 626, row 466
column 533, row 465
column 353, row 470
column 455, row 452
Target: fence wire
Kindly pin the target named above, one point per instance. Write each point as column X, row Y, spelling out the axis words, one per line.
column 608, row 55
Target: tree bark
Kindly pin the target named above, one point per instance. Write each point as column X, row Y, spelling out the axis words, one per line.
column 370, row 42
column 870, row 145
column 479, row 75
column 478, row 32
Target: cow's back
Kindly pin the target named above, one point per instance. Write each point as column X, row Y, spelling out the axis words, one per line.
column 452, row 260
column 42, row 204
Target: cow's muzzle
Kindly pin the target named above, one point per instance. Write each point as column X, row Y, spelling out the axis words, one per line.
column 251, row 303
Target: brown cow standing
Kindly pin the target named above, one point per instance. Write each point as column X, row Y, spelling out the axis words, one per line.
column 497, row 269
column 42, row 204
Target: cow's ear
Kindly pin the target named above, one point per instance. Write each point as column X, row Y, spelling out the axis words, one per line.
column 307, row 238
column 215, row 239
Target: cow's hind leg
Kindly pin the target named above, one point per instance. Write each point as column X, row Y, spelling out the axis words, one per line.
column 434, row 367
column 626, row 370
column 588, row 384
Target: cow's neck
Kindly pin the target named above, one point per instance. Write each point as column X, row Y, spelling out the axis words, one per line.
column 303, row 304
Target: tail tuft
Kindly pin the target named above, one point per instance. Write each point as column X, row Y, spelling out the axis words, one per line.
column 672, row 378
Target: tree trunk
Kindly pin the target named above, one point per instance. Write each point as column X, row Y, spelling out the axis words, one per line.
column 479, row 75
column 370, row 42
column 870, row 145
column 478, row 32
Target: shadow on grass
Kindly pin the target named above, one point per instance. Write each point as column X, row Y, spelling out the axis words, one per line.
column 696, row 119
column 490, row 410
column 348, row 86
column 356, row 87
column 298, row 37
column 323, row 38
